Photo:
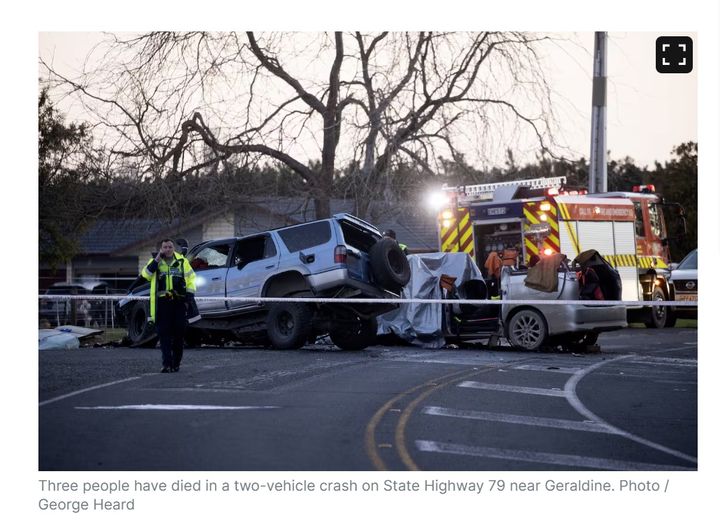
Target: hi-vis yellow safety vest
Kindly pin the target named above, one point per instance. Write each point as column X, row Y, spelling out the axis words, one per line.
column 177, row 277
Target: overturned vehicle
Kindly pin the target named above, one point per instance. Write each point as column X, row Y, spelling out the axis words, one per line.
column 525, row 325
column 342, row 257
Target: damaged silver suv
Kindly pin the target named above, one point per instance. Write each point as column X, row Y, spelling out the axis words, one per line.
column 339, row 257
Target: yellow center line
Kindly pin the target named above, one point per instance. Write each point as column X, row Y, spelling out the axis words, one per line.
column 370, row 444
column 410, row 408
column 429, row 387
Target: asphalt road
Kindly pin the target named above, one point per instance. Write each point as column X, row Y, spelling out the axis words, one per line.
column 631, row 407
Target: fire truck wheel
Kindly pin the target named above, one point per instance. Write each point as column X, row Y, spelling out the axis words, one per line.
column 658, row 315
column 389, row 265
column 527, row 330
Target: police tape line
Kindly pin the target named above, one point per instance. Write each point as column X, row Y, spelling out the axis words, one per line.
column 261, row 300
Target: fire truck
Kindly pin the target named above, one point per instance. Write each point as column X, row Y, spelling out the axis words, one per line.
column 539, row 217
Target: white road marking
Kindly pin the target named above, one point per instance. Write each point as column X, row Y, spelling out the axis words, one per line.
column 78, row 392
column 541, row 457
column 557, row 392
column 548, row 368
column 666, row 361
column 689, row 383
column 681, row 348
column 174, row 407
column 571, row 395
column 564, row 424
column 454, row 359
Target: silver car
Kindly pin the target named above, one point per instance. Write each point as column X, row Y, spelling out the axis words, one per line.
column 527, row 325
column 530, row 326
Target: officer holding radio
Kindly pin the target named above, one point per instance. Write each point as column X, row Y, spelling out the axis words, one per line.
column 172, row 285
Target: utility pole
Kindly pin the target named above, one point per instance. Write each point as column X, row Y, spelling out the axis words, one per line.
column 598, row 148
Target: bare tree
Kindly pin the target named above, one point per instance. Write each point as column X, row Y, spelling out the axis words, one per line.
column 180, row 103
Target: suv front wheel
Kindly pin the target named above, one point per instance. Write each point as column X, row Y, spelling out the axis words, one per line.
column 289, row 325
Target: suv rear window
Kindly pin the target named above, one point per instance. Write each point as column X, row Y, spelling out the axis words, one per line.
column 357, row 237
column 305, row 236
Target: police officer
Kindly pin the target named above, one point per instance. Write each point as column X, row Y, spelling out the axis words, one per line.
column 172, row 283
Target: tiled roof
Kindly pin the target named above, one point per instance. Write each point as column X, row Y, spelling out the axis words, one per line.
column 106, row 236
column 414, row 226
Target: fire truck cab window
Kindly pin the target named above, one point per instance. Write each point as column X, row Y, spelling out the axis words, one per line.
column 655, row 220
column 639, row 222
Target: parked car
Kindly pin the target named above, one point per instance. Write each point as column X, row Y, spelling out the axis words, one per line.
column 339, row 257
column 527, row 325
column 684, row 283
column 81, row 312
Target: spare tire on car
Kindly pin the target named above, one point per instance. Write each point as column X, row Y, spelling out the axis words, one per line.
column 389, row 265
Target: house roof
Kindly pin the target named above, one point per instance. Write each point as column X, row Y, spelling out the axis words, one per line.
column 107, row 236
column 414, row 226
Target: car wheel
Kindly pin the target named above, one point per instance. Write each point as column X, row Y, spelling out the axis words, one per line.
column 658, row 314
column 289, row 325
column 389, row 265
column 141, row 332
column 356, row 335
column 527, row 330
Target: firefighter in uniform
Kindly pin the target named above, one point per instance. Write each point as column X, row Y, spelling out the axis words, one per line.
column 172, row 284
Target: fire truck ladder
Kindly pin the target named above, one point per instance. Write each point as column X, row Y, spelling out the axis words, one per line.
column 486, row 190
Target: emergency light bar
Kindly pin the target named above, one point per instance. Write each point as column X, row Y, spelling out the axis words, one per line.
column 646, row 189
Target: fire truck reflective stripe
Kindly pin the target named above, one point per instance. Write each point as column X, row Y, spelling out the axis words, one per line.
column 622, row 260
column 531, row 217
column 467, row 247
column 651, row 262
column 458, row 233
column 457, row 236
column 552, row 220
column 466, row 238
column 534, row 216
column 466, row 234
column 564, row 214
column 450, row 237
column 530, row 246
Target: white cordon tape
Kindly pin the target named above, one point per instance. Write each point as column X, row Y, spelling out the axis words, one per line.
column 259, row 300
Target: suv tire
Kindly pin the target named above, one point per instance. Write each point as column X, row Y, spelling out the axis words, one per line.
column 356, row 335
column 289, row 325
column 389, row 265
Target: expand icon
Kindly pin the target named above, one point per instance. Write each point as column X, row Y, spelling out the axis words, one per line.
column 674, row 54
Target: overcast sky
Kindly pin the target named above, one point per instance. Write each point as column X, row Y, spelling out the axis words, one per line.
column 648, row 113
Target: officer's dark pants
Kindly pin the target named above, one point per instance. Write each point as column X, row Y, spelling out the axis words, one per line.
column 171, row 329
